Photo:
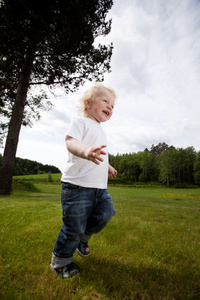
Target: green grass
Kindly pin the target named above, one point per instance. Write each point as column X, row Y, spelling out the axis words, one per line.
column 149, row 250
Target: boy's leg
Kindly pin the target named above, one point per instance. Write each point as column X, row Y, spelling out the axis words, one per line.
column 76, row 205
column 103, row 211
column 59, row 262
column 83, row 249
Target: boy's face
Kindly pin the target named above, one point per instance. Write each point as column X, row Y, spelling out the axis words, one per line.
column 101, row 108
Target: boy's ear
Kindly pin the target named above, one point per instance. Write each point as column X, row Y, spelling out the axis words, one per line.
column 87, row 103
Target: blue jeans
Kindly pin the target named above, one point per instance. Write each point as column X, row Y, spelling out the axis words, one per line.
column 85, row 211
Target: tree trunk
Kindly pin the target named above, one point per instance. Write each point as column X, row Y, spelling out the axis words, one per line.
column 15, row 126
column 167, row 180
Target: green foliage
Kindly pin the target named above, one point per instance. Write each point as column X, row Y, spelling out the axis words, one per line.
column 49, row 43
column 23, row 185
column 61, row 36
column 40, row 178
column 162, row 164
column 49, row 177
column 160, row 148
column 197, row 169
column 149, row 250
column 179, row 167
column 26, row 166
column 30, row 182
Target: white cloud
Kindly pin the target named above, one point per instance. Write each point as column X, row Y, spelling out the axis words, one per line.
column 156, row 75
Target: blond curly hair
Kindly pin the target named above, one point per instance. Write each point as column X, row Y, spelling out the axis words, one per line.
column 89, row 94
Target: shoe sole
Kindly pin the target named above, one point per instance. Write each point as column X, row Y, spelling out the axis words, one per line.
column 81, row 254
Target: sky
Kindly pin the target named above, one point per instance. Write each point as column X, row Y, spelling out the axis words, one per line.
column 155, row 74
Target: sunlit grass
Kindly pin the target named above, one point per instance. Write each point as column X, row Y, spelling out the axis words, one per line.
column 150, row 249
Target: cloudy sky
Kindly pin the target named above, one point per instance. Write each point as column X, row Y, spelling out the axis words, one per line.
column 156, row 75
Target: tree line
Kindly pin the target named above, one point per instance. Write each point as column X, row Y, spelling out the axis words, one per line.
column 162, row 163
column 29, row 167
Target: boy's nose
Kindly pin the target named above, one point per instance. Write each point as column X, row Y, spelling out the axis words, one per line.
column 109, row 106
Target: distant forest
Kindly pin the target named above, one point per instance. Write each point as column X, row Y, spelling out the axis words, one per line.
column 28, row 167
column 162, row 164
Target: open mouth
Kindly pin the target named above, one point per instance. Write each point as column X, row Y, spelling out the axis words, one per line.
column 106, row 112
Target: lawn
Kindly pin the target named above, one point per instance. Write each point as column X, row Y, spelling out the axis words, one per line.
column 149, row 250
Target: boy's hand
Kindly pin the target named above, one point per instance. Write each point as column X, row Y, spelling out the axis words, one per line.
column 86, row 152
column 93, row 153
column 112, row 172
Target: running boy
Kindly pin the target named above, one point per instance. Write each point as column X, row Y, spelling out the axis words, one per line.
column 86, row 203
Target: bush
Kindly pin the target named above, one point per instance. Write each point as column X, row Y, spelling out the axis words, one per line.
column 23, row 185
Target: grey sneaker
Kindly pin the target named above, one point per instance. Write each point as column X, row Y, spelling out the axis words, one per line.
column 83, row 249
column 67, row 271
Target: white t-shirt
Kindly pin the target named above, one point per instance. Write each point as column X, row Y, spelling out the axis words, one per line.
column 80, row 171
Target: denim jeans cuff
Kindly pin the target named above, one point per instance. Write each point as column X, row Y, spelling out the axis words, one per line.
column 59, row 262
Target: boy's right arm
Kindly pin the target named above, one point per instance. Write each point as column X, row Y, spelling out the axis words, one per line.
column 85, row 152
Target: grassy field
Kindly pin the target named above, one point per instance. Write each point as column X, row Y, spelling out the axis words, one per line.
column 149, row 250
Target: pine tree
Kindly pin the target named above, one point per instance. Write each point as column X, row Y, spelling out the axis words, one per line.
column 47, row 42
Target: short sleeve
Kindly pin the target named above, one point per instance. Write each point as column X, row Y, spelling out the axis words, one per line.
column 76, row 129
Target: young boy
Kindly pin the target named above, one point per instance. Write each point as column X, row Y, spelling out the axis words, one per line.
column 86, row 203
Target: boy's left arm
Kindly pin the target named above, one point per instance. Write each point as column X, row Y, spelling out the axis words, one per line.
column 111, row 171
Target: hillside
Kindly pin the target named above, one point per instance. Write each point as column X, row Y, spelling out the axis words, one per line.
column 28, row 167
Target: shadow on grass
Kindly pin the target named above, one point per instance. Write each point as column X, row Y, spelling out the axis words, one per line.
column 118, row 280
column 101, row 278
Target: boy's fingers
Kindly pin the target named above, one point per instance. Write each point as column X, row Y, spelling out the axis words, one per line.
column 99, row 157
column 103, row 152
column 96, row 157
column 96, row 152
column 100, row 147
